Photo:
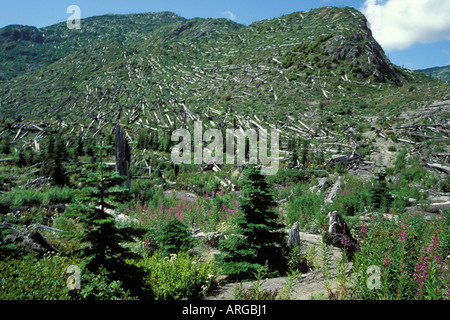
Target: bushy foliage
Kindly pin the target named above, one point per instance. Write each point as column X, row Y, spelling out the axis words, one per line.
column 27, row 198
column 178, row 276
column 305, row 207
column 353, row 198
column 31, row 278
column 57, row 195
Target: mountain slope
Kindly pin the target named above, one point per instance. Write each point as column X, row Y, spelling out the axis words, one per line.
column 24, row 48
column 321, row 66
column 441, row 73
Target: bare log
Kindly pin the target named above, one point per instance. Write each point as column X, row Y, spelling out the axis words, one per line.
column 439, row 167
column 30, row 238
column 322, row 183
column 334, row 190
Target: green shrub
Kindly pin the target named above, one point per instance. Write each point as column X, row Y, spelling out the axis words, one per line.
column 284, row 176
column 100, row 287
column 402, row 195
column 57, row 195
column 31, row 278
column 445, row 185
column 414, row 174
column 304, row 208
column 6, row 202
column 179, row 276
column 400, row 162
column 27, row 198
column 353, row 198
column 392, row 148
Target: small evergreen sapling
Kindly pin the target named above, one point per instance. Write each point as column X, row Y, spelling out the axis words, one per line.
column 101, row 237
column 175, row 237
column 260, row 240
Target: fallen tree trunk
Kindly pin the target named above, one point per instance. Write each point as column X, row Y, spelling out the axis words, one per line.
column 317, row 188
column 439, row 167
column 334, row 190
column 29, row 239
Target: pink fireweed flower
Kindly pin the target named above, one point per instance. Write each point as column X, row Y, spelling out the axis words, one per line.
column 447, row 292
column 434, row 243
column 402, row 235
column 344, row 239
column 421, row 271
column 364, row 229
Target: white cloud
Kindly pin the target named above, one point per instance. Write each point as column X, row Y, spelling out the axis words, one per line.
column 398, row 24
column 230, row 15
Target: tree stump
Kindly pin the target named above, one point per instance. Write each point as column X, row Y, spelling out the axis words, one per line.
column 123, row 155
column 339, row 235
column 294, row 235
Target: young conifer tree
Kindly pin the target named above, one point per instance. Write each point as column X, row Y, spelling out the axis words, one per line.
column 57, row 172
column 102, row 239
column 260, row 242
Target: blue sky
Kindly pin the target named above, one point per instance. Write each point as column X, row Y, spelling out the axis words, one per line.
column 401, row 26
